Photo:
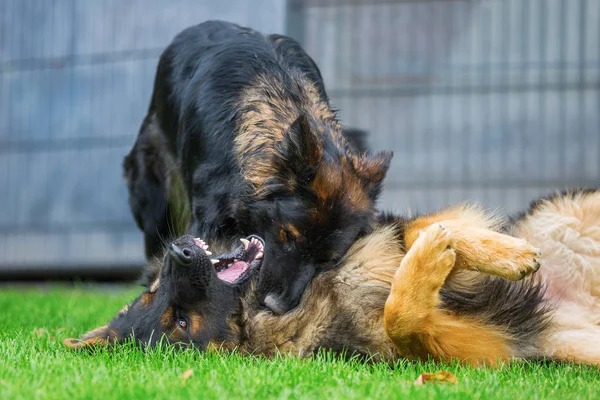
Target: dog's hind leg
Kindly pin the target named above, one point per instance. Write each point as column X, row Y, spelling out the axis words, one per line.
column 574, row 337
column 577, row 346
column 478, row 246
column 157, row 196
column 413, row 319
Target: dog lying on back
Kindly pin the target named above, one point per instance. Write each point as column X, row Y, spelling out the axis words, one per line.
column 240, row 135
column 434, row 286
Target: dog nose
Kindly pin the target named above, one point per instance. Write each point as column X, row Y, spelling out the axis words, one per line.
column 181, row 254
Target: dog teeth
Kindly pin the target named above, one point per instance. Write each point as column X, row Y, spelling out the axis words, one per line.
column 201, row 243
column 208, row 253
column 258, row 244
column 214, row 261
column 246, row 243
column 260, row 255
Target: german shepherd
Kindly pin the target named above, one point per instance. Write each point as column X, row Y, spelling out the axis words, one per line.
column 437, row 286
column 240, row 136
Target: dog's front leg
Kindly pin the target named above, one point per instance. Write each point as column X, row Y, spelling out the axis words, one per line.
column 478, row 246
column 412, row 316
column 414, row 297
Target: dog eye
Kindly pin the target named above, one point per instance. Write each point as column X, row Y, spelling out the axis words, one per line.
column 180, row 319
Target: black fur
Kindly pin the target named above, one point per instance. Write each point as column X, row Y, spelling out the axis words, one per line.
column 196, row 109
column 184, row 292
column 518, row 308
column 153, row 182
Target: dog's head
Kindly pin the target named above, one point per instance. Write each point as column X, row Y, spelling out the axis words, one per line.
column 192, row 299
column 318, row 200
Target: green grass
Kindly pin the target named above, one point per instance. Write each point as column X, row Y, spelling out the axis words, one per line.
column 34, row 364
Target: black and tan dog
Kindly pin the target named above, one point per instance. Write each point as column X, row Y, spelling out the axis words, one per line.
column 438, row 286
column 240, row 136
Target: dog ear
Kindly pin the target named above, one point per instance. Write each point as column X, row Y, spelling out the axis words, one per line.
column 297, row 157
column 99, row 337
column 300, row 146
column 372, row 171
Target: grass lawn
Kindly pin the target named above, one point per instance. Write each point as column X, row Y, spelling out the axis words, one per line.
column 34, row 364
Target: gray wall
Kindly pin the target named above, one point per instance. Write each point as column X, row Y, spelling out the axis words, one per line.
column 496, row 101
column 75, row 82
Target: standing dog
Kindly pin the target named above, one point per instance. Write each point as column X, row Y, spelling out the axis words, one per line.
column 434, row 286
column 240, row 135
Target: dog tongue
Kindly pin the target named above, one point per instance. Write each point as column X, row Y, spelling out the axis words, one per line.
column 232, row 273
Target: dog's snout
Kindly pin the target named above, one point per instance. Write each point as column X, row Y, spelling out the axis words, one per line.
column 182, row 254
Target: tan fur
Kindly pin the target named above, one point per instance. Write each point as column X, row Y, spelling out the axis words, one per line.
column 384, row 300
column 99, row 336
column 408, row 323
column 412, row 308
column 567, row 229
column 414, row 325
column 289, row 230
column 146, row 298
column 124, row 310
column 467, row 340
column 368, row 167
column 166, row 320
column 268, row 113
column 359, row 289
column 339, row 180
column 196, row 323
column 505, row 256
column 154, row 286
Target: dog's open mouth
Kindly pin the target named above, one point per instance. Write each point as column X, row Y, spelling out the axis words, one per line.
column 237, row 265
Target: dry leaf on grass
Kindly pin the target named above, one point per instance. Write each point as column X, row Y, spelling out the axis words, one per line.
column 186, row 375
column 40, row 331
column 438, row 377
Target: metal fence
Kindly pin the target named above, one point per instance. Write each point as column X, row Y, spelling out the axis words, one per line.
column 495, row 101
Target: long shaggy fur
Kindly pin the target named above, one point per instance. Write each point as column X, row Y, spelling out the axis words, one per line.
column 566, row 226
column 240, row 139
column 394, row 297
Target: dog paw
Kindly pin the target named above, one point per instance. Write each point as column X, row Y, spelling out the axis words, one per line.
column 517, row 258
column 435, row 247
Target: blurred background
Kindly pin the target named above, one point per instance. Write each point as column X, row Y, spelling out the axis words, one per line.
column 495, row 101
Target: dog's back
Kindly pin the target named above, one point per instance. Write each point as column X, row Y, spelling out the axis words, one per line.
column 260, row 151
column 199, row 81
